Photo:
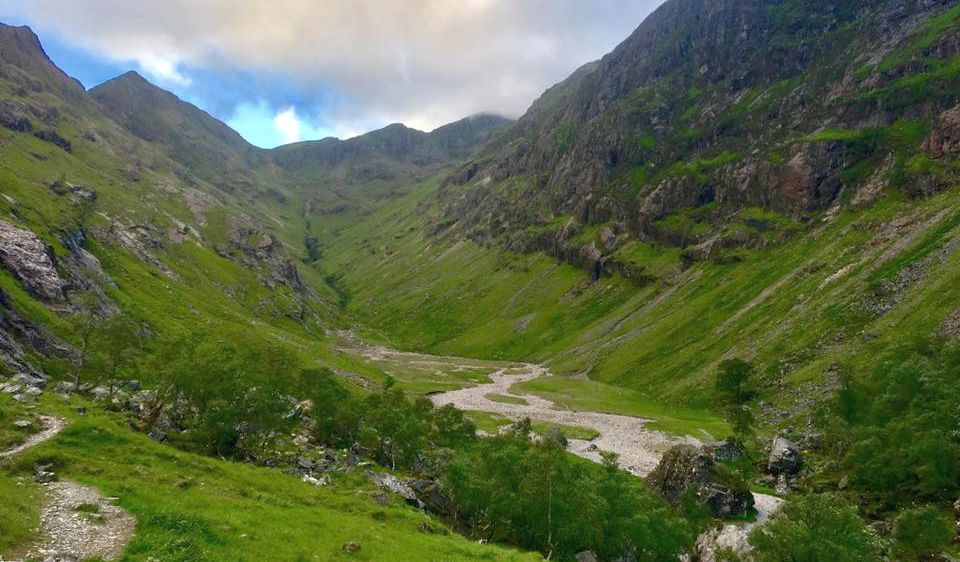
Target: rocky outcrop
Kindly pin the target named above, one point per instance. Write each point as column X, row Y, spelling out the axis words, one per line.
column 945, row 138
column 686, row 469
column 31, row 261
column 784, row 458
column 145, row 241
column 263, row 253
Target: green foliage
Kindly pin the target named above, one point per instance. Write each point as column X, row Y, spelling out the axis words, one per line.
column 535, row 495
column 921, row 533
column 733, row 389
column 815, row 528
column 900, row 442
column 564, row 137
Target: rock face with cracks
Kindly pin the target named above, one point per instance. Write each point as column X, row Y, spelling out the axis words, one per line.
column 31, row 261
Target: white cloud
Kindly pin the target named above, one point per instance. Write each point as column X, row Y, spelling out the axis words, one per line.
column 163, row 69
column 421, row 62
column 288, row 125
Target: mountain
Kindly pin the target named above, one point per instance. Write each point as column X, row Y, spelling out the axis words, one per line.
column 713, row 107
column 204, row 145
column 743, row 221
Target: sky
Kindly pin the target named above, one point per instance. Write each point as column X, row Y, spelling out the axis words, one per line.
column 281, row 71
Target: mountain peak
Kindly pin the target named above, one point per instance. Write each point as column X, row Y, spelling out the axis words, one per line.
column 20, row 47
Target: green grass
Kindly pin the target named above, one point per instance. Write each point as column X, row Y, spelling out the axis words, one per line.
column 591, row 396
column 568, row 431
column 491, row 423
column 193, row 508
column 19, row 511
column 506, row 399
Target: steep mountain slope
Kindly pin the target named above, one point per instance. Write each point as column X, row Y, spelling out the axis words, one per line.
column 755, row 222
column 711, row 108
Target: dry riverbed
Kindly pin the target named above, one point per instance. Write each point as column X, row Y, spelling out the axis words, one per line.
column 638, row 447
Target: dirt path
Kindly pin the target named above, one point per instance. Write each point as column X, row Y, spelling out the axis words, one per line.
column 76, row 522
column 50, row 428
column 639, row 448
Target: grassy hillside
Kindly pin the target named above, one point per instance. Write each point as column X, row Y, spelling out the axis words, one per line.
column 196, row 508
column 830, row 295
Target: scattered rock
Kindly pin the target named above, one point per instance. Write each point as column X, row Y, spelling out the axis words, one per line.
column 351, row 547
column 68, row 536
column 31, row 261
column 324, row 480
column 23, row 424
column 65, row 387
column 784, row 457
column 42, row 473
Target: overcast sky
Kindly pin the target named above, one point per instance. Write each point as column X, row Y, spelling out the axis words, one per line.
column 280, row 71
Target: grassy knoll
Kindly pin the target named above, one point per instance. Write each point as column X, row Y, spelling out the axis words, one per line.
column 194, row 508
column 592, row 396
column 506, row 399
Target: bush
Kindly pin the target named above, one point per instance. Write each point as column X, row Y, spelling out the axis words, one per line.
column 813, row 529
column 898, row 428
column 537, row 496
column 921, row 533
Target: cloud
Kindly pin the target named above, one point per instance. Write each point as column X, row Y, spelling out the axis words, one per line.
column 163, row 69
column 288, row 125
column 356, row 64
column 265, row 126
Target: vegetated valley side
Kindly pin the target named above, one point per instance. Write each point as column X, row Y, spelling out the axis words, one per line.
column 701, row 300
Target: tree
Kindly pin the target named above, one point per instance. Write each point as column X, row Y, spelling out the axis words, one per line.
column 732, row 391
column 922, row 533
column 812, row 529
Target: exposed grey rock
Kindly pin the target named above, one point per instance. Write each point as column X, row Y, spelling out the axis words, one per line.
column 587, row 556
column 945, row 138
column 10, row 387
column 42, row 473
column 323, row 480
column 31, row 261
column 30, row 380
column 393, row 484
column 65, row 387
column 23, row 424
column 431, row 495
column 784, row 457
column 724, row 451
column 686, row 467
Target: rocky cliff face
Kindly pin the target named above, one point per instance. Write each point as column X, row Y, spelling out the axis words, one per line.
column 31, row 261
column 719, row 106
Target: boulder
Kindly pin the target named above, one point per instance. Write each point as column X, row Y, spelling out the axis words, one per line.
column 30, row 380
column 393, row 484
column 431, row 495
column 587, row 556
column 784, row 457
column 31, row 261
column 686, row 468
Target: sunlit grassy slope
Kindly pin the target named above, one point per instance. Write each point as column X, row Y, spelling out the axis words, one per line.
column 193, row 508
